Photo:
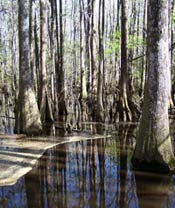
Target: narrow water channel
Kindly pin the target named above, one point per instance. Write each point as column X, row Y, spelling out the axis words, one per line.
column 90, row 174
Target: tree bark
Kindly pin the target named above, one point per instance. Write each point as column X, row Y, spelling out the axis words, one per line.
column 124, row 110
column 100, row 107
column 153, row 149
column 44, row 101
column 43, row 48
column 83, row 94
column 92, row 71
column 27, row 115
column 62, row 112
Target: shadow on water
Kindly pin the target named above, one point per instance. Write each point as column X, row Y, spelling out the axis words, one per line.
column 94, row 173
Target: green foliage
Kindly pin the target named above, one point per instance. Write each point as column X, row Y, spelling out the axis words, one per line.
column 137, row 70
column 7, row 78
column 172, row 17
column 113, row 45
column 134, row 41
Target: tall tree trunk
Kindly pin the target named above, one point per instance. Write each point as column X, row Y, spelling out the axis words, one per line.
column 37, row 57
column 31, row 34
column 124, row 110
column 44, row 101
column 83, row 94
column 143, row 72
column 62, row 112
column 92, row 71
column 43, row 48
column 86, row 39
column 52, row 50
column 153, row 149
column 27, row 115
column 171, row 104
column 100, row 107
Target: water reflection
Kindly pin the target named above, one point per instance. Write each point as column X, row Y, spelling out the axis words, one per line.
column 94, row 173
column 153, row 192
column 13, row 196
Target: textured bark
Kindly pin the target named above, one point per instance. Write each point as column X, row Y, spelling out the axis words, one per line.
column 86, row 37
column 31, row 34
column 153, row 149
column 100, row 107
column 37, row 57
column 124, row 110
column 52, row 49
column 92, row 71
column 143, row 72
column 45, row 105
column 62, row 111
column 27, row 115
column 83, row 94
column 43, row 48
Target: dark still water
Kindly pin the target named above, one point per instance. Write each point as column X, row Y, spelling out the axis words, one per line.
column 94, row 173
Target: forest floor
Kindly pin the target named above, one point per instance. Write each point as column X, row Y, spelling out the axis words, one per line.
column 18, row 153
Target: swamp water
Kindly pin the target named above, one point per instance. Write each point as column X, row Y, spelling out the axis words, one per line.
column 93, row 173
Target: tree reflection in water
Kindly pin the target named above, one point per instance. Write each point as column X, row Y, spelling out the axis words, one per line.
column 13, row 196
column 94, row 173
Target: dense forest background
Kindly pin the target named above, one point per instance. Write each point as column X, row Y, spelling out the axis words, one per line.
column 84, row 60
